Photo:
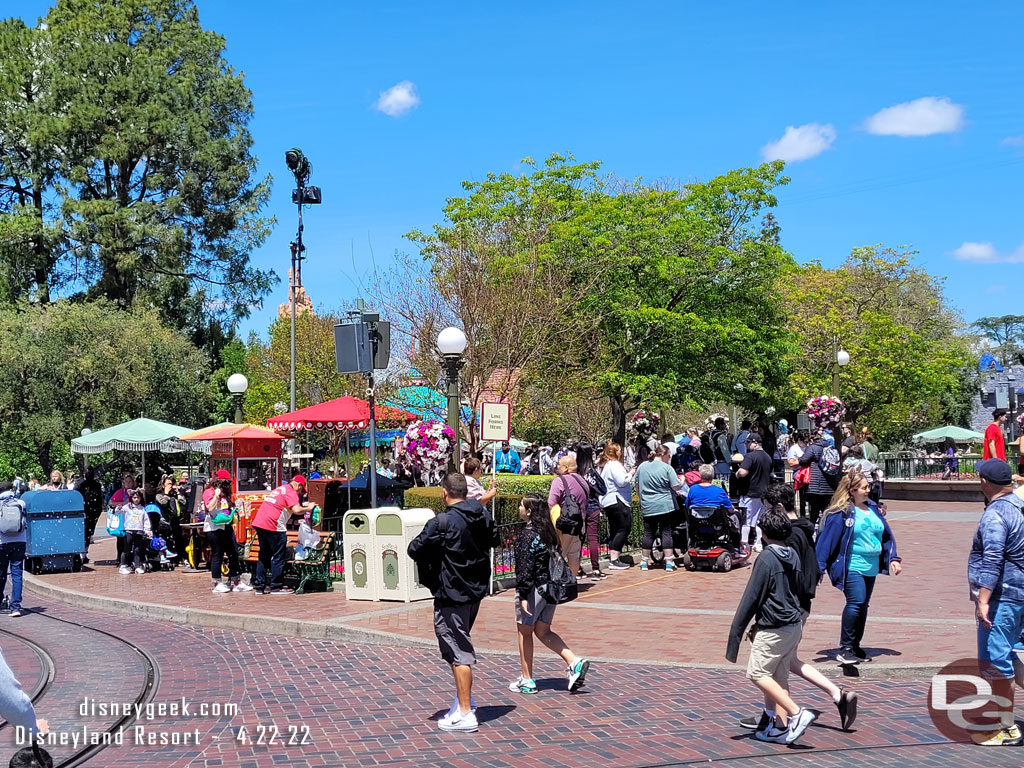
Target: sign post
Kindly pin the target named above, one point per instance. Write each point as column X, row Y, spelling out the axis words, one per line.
column 495, row 426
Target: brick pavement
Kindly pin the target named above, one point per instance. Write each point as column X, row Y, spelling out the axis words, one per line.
column 368, row 706
column 922, row 617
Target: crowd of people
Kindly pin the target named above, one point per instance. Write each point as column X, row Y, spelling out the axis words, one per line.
column 843, row 532
column 146, row 518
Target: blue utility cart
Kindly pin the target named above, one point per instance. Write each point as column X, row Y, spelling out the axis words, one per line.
column 55, row 530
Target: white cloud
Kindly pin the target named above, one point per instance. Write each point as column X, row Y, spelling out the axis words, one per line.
column 800, row 143
column 986, row 253
column 920, row 117
column 398, row 99
column 1013, row 141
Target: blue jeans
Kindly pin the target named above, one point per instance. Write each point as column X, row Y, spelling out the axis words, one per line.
column 858, row 589
column 270, row 567
column 996, row 645
column 12, row 554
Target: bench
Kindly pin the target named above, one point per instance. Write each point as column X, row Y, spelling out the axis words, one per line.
column 316, row 566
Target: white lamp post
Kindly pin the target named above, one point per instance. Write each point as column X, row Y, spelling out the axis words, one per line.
column 451, row 343
column 237, row 386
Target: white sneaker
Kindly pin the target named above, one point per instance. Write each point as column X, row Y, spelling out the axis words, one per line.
column 124, row 570
column 221, row 587
column 799, row 723
column 140, row 570
column 241, row 586
column 758, row 547
column 455, row 707
column 170, row 554
column 465, row 723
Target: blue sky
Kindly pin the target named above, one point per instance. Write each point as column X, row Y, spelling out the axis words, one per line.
column 660, row 90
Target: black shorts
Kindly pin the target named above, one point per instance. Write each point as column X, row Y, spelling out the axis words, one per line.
column 452, row 625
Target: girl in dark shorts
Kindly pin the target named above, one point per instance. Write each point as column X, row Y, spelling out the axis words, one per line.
column 537, row 542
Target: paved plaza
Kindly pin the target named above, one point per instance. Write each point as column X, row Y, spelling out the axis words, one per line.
column 660, row 693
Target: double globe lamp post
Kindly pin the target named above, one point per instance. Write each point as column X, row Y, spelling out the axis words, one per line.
column 451, row 343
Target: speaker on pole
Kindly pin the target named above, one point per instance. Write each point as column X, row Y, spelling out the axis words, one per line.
column 353, row 351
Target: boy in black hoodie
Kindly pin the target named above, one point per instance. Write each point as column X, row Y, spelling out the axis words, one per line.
column 801, row 541
column 772, row 598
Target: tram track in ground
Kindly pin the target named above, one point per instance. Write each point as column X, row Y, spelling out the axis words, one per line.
column 150, row 684
column 47, row 668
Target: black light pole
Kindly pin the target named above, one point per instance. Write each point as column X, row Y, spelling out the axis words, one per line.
column 301, row 195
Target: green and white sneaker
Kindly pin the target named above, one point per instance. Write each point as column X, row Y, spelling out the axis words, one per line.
column 523, row 685
column 577, row 674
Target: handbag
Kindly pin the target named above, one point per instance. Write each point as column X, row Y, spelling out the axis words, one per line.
column 115, row 523
column 801, row 478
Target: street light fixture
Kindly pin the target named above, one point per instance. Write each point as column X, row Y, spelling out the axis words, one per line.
column 451, row 343
column 842, row 360
column 237, row 386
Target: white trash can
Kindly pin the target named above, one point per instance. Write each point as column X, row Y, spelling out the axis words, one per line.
column 393, row 530
column 362, row 570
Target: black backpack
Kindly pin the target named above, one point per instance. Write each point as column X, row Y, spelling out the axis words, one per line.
column 561, row 587
column 707, row 450
column 571, row 519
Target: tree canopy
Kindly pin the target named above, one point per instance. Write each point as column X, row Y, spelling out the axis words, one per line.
column 74, row 365
column 126, row 170
column 910, row 364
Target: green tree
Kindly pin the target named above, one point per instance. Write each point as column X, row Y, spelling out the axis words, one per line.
column 686, row 302
column 1006, row 334
column 72, row 365
column 132, row 155
column 910, row 365
column 29, row 228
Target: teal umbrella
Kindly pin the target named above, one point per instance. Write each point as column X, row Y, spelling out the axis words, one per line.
column 515, row 443
column 959, row 434
column 139, row 435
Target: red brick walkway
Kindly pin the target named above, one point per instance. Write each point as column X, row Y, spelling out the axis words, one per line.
column 921, row 618
column 369, row 706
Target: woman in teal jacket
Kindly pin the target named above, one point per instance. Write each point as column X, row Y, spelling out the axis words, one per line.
column 855, row 545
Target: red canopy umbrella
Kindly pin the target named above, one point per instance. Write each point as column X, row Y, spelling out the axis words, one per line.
column 341, row 413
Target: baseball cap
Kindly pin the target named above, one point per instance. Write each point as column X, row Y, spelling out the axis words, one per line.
column 223, row 474
column 300, row 480
column 996, row 471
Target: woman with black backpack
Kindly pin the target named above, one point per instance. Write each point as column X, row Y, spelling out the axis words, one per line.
column 823, row 459
column 568, row 502
column 536, row 544
column 587, row 469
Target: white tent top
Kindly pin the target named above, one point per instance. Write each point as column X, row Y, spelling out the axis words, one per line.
column 138, row 435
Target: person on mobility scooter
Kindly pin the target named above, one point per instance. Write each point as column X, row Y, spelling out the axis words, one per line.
column 713, row 526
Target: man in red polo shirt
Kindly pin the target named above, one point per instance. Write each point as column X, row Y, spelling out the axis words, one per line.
column 270, row 522
column 995, row 443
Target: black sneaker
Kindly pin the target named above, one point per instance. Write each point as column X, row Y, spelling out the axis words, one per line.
column 861, row 654
column 617, row 565
column 847, row 707
column 846, row 656
column 756, row 723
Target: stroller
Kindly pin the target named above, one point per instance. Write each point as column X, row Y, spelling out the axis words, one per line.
column 714, row 539
column 156, row 553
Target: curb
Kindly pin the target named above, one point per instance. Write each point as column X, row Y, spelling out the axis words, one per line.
column 338, row 630
column 266, row 625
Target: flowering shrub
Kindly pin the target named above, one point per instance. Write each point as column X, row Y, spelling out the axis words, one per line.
column 825, row 410
column 643, row 423
column 429, row 444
